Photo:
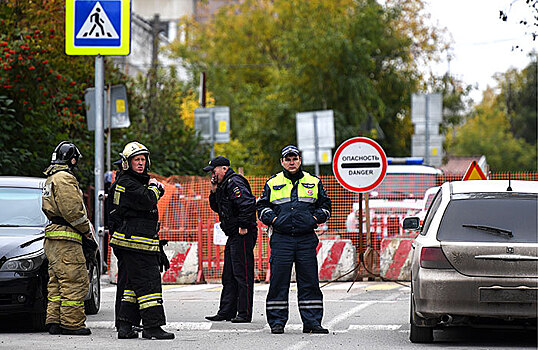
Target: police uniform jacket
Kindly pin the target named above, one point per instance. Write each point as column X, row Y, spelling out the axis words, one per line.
column 63, row 204
column 234, row 202
column 134, row 213
column 297, row 201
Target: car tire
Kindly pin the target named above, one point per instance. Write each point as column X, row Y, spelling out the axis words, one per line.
column 418, row 334
column 92, row 305
column 37, row 320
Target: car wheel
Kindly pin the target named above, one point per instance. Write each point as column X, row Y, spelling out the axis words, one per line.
column 92, row 305
column 38, row 321
column 418, row 334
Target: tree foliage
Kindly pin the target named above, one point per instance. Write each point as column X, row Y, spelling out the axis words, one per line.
column 268, row 60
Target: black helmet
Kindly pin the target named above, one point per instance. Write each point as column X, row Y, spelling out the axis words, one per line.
column 64, row 152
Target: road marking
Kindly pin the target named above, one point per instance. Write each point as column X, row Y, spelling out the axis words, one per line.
column 347, row 314
column 382, row 287
column 299, row 345
column 188, row 326
column 374, row 327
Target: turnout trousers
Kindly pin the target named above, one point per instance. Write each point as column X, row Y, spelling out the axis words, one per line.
column 120, row 287
column 301, row 250
column 142, row 295
column 68, row 283
column 238, row 276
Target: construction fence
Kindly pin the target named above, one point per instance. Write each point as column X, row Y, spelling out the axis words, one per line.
column 186, row 216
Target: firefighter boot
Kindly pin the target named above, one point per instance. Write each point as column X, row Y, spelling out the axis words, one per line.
column 125, row 331
column 157, row 333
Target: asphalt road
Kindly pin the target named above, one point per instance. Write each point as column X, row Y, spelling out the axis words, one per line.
column 372, row 315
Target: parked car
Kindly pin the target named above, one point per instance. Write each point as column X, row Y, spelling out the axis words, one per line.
column 427, row 202
column 475, row 261
column 400, row 194
column 23, row 264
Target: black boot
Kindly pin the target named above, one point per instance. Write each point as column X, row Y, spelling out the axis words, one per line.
column 157, row 333
column 125, row 331
column 54, row 328
column 80, row 331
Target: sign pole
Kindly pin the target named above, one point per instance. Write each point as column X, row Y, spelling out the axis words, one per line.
column 109, row 128
column 99, row 145
column 316, row 143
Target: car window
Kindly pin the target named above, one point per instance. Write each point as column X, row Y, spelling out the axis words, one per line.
column 491, row 218
column 21, row 207
column 431, row 212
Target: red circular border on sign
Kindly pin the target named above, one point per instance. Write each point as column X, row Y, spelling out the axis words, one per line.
column 371, row 143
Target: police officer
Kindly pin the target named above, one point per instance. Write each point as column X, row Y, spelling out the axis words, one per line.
column 231, row 197
column 293, row 203
column 63, row 204
column 135, row 241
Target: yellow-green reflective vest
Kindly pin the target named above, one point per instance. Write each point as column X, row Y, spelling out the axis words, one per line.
column 281, row 186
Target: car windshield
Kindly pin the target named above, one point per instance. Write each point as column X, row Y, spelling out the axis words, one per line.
column 21, row 207
column 490, row 218
column 404, row 186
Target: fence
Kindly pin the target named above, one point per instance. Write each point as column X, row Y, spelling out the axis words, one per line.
column 185, row 215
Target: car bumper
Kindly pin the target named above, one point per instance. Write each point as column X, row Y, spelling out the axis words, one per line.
column 447, row 292
column 20, row 294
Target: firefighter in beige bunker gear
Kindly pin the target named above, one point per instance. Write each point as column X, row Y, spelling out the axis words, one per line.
column 63, row 204
column 134, row 219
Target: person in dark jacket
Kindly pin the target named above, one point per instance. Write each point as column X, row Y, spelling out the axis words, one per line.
column 135, row 240
column 231, row 197
column 292, row 204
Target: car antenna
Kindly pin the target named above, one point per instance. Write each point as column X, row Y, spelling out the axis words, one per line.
column 509, row 182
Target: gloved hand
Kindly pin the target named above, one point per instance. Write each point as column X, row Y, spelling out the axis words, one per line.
column 163, row 259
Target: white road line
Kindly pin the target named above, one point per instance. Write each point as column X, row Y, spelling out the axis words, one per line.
column 343, row 286
column 347, row 314
column 188, row 326
column 374, row 327
column 191, row 288
column 299, row 345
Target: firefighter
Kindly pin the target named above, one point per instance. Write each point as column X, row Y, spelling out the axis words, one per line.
column 63, row 205
column 293, row 203
column 231, row 197
column 135, row 241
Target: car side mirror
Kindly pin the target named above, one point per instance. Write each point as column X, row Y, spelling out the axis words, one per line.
column 411, row 223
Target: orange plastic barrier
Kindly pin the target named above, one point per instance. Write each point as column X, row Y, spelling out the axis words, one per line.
column 185, row 215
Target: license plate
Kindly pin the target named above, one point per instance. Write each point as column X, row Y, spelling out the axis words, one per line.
column 508, row 295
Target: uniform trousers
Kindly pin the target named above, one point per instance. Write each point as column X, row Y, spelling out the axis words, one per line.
column 142, row 296
column 238, row 276
column 285, row 251
column 68, row 283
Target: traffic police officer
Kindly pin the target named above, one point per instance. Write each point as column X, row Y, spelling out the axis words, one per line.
column 63, row 204
column 293, row 203
column 231, row 197
column 136, row 240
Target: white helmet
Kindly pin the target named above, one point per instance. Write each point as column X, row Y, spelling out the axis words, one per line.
column 133, row 149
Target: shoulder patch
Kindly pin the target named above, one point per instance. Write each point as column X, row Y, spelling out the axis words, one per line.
column 237, row 191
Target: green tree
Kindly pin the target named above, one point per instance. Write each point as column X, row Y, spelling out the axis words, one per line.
column 268, row 60
column 487, row 132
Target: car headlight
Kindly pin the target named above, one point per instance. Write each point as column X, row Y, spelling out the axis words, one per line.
column 24, row 263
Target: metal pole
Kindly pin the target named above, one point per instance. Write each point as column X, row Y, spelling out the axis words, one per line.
column 99, row 145
column 108, row 128
column 427, row 142
column 212, row 132
column 316, row 144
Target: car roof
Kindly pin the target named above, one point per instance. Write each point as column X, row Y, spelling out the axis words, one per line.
column 21, row 181
column 412, row 169
column 473, row 186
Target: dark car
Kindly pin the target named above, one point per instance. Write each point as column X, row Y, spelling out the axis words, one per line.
column 23, row 264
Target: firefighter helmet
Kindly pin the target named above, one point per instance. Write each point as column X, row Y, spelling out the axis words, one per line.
column 133, row 149
column 64, row 153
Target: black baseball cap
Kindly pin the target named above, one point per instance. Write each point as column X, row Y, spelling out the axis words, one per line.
column 217, row 161
column 290, row 149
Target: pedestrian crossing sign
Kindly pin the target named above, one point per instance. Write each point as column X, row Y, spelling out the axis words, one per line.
column 98, row 27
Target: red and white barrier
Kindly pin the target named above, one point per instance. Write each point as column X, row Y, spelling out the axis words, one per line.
column 395, row 258
column 183, row 257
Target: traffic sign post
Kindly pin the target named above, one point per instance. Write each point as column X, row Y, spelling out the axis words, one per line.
column 97, row 28
column 360, row 165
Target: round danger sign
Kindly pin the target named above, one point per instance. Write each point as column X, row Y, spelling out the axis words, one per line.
column 360, row 164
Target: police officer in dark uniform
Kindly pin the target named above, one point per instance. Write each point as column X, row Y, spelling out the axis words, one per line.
column 135, row 241
column 231, row 197
column 293, row 203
